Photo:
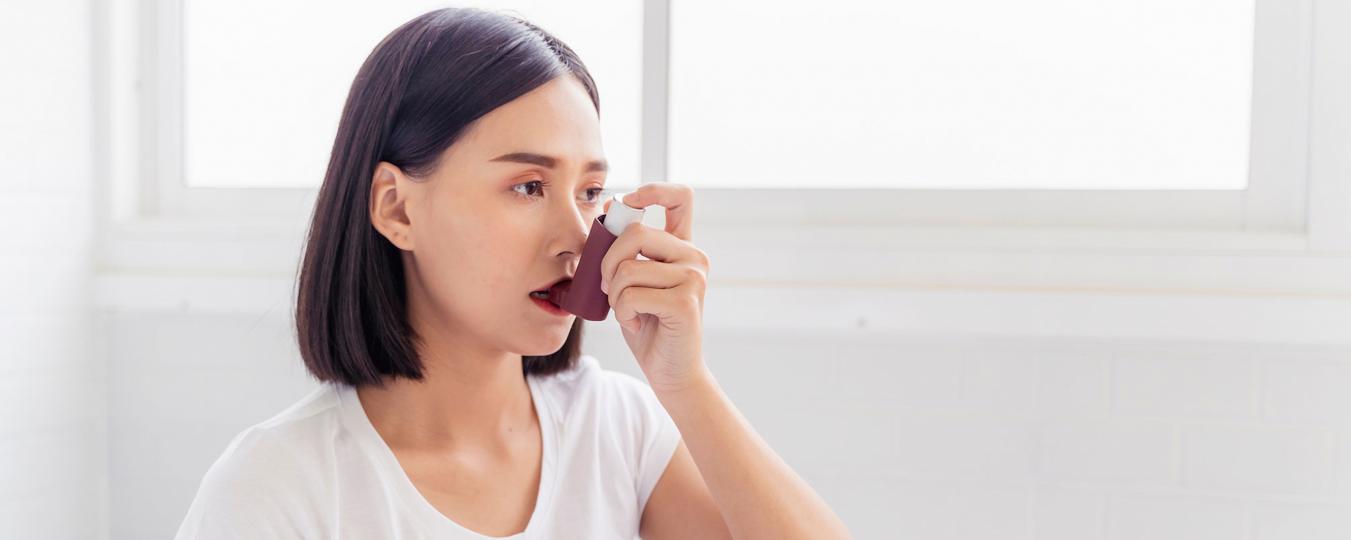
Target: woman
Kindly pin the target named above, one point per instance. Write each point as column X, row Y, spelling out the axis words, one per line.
column 466, row 173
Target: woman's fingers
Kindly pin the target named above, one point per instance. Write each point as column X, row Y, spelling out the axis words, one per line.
column 677, row 199
column 671, row 306
column 651, row 274
column 670, row 285
column 651, row 243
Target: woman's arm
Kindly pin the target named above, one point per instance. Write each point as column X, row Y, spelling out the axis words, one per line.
column 756, row 493
column 680, row 505
column 729, row 479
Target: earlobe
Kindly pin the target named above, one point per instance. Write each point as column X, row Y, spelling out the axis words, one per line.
column 388, row 206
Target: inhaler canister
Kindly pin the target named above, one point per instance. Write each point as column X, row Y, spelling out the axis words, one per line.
column 583, row 296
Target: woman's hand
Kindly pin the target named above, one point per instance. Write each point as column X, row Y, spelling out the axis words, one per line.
column 722, row 470
column 659, row 302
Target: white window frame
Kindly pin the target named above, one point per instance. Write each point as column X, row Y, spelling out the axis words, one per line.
column 1297, row 205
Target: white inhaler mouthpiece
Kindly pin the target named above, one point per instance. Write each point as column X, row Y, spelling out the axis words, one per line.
column 621, row 215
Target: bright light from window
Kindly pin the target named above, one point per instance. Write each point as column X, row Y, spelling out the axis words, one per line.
column 264, row 82
column 964, row 94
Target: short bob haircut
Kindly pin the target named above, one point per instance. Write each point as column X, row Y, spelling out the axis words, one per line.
column 413, row 97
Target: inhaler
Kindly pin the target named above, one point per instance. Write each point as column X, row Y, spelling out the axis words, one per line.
column 583, row 296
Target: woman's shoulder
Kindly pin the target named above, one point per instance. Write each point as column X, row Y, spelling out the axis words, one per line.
column 286, row 443
column 591, row 397
column 294, row 433
column 272, row 467
column 638, row 437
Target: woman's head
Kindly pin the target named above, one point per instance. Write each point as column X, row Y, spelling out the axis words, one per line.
column 465, row 173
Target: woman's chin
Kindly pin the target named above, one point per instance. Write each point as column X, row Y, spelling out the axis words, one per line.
column 543, row 344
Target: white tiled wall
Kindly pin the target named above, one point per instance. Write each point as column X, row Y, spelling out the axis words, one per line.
column 908, row 437
column 53, row 467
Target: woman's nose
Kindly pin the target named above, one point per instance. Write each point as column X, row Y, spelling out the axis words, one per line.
column 575, row 226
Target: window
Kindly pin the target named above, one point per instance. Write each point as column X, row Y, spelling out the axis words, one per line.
column 971, row 94
column 887, row 114
column 264, row 82
column 1231, row 180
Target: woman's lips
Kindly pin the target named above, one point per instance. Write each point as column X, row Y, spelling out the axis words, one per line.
column 549, row 306
column 556, row 292
column 559, row 291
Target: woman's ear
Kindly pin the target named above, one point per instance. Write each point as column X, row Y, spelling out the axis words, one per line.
column 389, row 205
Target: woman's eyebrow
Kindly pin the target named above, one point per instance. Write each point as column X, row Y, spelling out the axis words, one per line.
column 547, row 162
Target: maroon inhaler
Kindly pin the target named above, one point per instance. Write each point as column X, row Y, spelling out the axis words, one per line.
column 582, row 296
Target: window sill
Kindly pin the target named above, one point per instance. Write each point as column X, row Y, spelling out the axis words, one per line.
column 1244, row 287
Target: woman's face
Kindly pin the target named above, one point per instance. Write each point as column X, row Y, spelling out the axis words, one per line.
column 506, row 212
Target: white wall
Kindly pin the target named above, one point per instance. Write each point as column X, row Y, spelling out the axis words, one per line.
column 181, row 384
column 908, row 436
column 53, row 472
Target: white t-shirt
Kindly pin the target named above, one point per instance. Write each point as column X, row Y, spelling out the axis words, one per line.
column 320, row 470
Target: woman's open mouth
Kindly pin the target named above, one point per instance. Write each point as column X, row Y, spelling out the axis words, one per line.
column 546, row 299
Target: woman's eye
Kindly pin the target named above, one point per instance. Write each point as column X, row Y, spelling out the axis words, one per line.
column 527, row 194
column 595, row 192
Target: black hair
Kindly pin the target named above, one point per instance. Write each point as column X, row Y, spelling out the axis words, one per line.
column 412, row 98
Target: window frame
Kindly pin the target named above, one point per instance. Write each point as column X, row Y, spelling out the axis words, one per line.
column 150, row 207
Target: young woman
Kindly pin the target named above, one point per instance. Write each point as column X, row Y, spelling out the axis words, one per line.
column 465, row 176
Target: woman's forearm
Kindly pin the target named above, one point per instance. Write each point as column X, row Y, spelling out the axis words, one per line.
column 758, row 494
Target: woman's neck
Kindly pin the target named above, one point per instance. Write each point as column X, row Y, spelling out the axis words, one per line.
column 467, row 398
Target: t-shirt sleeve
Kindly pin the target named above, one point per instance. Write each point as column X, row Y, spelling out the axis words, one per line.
column 247, row 493
column 657, row 436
